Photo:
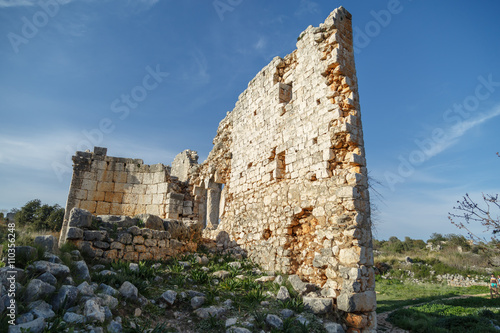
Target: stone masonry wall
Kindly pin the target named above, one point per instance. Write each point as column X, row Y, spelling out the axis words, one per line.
column 105, row 185
column 291, row 159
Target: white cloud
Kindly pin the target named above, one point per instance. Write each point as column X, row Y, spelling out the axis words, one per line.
column 455, row 132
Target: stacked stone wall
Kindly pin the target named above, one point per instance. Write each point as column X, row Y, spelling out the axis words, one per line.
column 105, row 185
column 291, row 158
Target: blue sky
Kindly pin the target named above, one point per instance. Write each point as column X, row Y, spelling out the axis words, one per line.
column 428, row 72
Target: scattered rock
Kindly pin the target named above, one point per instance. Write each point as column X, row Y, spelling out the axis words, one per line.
column 152, row 222
column 197, row 301
column 205, row 313
column 114, row 327
column 283, row 294
column 169, row 296
column 318, row 305
column 274, row 321
column 279, row 280
column 41, row 309
column 231, row 322
column 108, row 290
column 37, row 289
column 93, row 311
column 86, row 289
column 81, row 270
column 80, row 218
column 47, row 242
column 221, row 274
column 286, row 313
column 73, row 318
column 65, row 298
column 34, row 326
column 129, row 291
column 265, row 279
column 333, row 328
column 60, row 271
column 48, row 278
column 238, row 330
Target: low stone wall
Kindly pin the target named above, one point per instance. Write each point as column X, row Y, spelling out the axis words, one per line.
column 456, row 280
column 109, row 238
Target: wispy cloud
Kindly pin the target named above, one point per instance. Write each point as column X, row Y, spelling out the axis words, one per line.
column 307, row 7
column 455, row 132
column 27, row 3
column 146, row 4
column 261, row 43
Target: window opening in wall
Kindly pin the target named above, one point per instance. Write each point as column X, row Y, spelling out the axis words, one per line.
column 280, row 166
column 285, row 92
column 315, row 141
column 249, row 165
column 318, row 102
column 214, row 206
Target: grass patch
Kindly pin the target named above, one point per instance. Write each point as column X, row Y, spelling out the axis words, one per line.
column 393, row 294
column 475, row 314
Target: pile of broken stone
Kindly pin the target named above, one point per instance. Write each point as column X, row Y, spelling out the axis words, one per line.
column 47, row 290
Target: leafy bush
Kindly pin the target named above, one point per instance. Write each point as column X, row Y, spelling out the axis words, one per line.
column 40, row 217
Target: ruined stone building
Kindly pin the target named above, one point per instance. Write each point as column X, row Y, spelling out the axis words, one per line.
column 286, row 179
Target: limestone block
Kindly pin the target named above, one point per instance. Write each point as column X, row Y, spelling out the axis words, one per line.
column 104, row 175
column 74, row 233
column 140, row 248
column 152, row 189
column 357, row 302
column 131, row 256
column 113, row 197
column 163, row 188
column 148, row 179
column 103, row 208
column 89, row 185
column 145, row 256
column 117, row 246
column 134, row 178
column 121, row 187
column 138, row 239
column 138, row 189
column 88, row 205
column 106, row 187
column 95, row 196
column 145, row 199
column 120, row 177
column 130, row 198
column 89, row 175
column 116, row 209
column 159, row 177
column 157, row 199
column 80, row 194
column 150, row 242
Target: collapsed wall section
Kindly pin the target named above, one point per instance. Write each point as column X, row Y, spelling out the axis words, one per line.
column 291, row 160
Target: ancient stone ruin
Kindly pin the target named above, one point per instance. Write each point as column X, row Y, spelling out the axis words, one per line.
column 286, row 180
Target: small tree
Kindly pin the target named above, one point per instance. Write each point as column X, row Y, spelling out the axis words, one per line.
column 470, row 211
column 487, row 214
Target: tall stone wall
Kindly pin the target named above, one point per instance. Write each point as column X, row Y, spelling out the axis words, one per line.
column 291, row 159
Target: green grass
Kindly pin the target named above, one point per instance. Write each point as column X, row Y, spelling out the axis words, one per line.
column 474, row 314
column 393, row 294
